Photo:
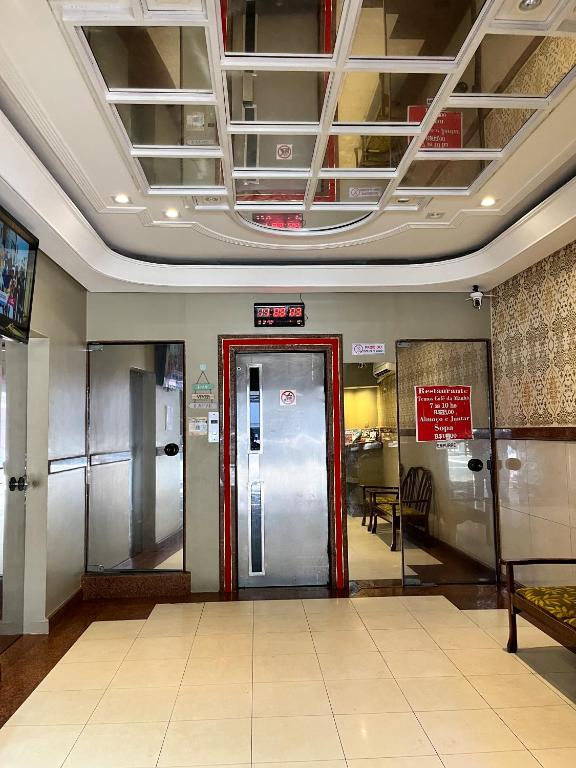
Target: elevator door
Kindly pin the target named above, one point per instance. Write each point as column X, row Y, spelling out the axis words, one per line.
column 281, row 477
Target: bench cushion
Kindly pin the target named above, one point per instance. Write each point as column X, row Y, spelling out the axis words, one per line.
column 406, row 510
column 560, row 602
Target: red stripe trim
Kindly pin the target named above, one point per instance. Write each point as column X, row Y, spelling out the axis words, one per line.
column 338, row 535
column 227, row 483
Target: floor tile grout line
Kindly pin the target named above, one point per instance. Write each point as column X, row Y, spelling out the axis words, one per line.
column 85, row 725
column 179, row 687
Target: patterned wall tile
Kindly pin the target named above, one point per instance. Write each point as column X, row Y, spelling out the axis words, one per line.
column 534, row 344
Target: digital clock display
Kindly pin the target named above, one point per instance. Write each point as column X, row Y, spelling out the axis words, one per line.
column 279, row 315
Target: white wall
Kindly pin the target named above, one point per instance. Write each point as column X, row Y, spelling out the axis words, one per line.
column 537, row 489
column 197, row 319
column 59, row 315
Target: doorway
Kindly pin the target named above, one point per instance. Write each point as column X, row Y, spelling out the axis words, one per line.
column 13, row 484
column 136, row 457
column 282, row 507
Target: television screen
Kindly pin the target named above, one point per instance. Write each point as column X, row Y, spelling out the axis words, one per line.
column 18, row 250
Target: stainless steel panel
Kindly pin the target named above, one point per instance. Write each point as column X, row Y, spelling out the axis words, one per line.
column 282, row 490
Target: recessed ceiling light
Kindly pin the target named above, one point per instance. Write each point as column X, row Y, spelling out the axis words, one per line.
column 488, row 201
column 172, row 213
column 121, row 198
column 529, row 5
column 403, row 199
column 435, row 215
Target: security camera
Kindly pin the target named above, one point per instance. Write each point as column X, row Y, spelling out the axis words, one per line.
column 476, row 296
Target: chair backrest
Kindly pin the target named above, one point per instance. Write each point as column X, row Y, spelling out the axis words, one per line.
column 416, row 489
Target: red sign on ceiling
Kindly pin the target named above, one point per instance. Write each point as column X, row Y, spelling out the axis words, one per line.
column 443, row 413
column 446, row 133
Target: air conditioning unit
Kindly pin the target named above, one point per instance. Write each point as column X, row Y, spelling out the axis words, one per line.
column 380, row 370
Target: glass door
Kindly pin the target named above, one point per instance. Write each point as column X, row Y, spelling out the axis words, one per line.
column 136, row 457
column 448, row 525
column 13, row 483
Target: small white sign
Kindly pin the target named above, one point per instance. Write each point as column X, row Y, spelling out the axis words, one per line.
column 198, row 426
column 356, row 193
column 445, row 444
column 287, row 397
column 368, row 349
column 284, row 151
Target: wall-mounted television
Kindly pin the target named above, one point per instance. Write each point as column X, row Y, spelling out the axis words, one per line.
column 18, row 249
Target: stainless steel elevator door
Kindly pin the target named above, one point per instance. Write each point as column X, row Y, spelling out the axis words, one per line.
column 281, row 473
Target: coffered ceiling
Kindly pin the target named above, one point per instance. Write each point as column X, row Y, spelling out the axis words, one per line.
column 172, row 137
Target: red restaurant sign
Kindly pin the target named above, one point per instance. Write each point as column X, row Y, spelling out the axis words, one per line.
column 446, row 133
column 443, row 413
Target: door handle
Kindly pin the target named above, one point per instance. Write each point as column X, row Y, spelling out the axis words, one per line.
column 172, row 449
column 19, row 484
column 475, row 465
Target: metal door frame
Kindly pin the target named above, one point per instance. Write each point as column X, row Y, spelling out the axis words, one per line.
column 491, row 435
column 331, row 345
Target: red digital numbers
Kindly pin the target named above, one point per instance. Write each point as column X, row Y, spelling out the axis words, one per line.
column 295, row 312
column 279, row 311
column 263, row 312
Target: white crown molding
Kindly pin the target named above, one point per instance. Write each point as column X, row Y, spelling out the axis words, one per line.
column 31, row 193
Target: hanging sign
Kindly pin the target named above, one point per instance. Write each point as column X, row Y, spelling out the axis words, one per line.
column 446, row 133
column 205, row 385
column 287, row 397
column 202, row 400
column 443, row 413
column 368, row 349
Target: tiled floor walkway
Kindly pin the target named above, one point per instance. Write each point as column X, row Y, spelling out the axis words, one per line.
column 394, row 682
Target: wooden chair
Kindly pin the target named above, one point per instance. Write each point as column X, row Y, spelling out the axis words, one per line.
column 414, row 499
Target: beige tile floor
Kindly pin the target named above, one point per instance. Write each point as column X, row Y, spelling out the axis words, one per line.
column 398, row 682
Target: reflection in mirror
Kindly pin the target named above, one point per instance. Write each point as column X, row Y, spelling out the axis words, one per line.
column 414, row 27
column 151, row 58
column 447, row 509
column 282, row 26
column 371, row 445
column 136, row 501
column 303, row 221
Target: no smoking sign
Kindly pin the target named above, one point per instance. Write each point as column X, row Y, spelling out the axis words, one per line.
column 287, row 397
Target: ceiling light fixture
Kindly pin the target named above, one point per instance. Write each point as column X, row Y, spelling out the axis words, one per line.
column 122, row 198
column 172, row 213
column 488, row 201
column 529, row 5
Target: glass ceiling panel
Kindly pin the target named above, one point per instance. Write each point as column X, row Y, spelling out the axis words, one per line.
column 309, row 221
column 272, row 190
column 151, row 58
column 440, row 174
column 278, row 97
column 382, row 97
column 476, row 128
column 519, row 65
column 272, row 151
column 181, row 172
column 360, row 191
column 279, row 26
column 404, row 28
column 169, row 124
column 358, row 151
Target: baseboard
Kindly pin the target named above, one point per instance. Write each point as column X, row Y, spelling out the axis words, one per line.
column 97, row 586
column 57, row 613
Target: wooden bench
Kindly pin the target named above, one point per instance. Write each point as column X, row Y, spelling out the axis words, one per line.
column 551, row 609
column 413, row 499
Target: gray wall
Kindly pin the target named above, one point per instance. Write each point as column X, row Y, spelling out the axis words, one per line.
column 59, row 314
column 198, row 319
